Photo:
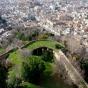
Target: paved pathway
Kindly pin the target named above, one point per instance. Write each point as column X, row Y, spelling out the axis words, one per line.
column 72, row 72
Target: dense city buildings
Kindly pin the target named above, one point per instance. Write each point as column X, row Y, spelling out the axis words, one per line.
column 39, row 28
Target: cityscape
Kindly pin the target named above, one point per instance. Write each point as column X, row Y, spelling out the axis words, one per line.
column 43, row 43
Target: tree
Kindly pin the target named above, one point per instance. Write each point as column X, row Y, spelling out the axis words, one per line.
column 33, row 69
column 3, row 74
column 47, row 55
column 84, row 66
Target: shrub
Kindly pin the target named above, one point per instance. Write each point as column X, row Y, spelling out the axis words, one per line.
column 58, row 46
column 47, row 55
column 13, row 80
column 43, row 36
column 21, row 36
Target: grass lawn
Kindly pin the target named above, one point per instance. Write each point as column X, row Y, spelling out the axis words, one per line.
column 15, row 57
column 29, row 85
column 1, row 50
column 44, row 43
